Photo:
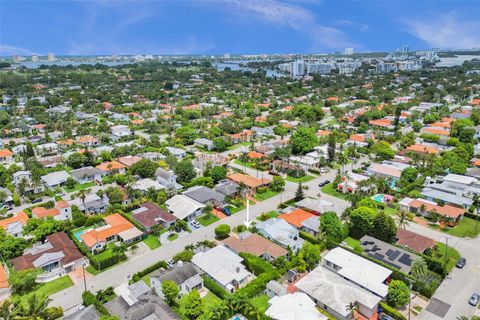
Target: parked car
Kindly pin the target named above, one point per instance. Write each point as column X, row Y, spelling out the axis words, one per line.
column 273, row 173
column 196, row 224
column 170, row 263
column 37, row 200
column 227, row 211
column 324, row 183
column 461, row 263
column 474, row 299
column 385, row 317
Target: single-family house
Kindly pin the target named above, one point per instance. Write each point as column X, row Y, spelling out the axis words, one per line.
column 138, row 302
column 129, row 161
column 204, row 195
column 315, row 206
column 204, row 143
column 14, row 225
column 147, row 184
column 281, row 232
column 87, row 313
column 387, row 169
column 88, row 141
column 55, row 179
column 86, row 174
column 176, row 152
column 227, row 187
column 413, row 241
column 6, row 156
column 183, row 207
column 92, row 204
column 251, row 183
column 116, row 228
column 168, row 179
column 8, row 199
column 5, row 292
column 62, row 211
column 150, row 215
column 426, row 207
column 110, row 167
column 185, row 274
column 56, row 257
column 224, row 267
column 255, row 244
column 297, row 217
column 293, row 306
column 120, row 130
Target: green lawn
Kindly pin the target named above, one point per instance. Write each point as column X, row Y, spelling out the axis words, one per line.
column 250, row 165
column 465, row 228
column 79, row 186
column 207, row 219
column 303, row 179
column 146, row 279
column 268, row 215
column 152, row 241
column 352, row 242
column 208, row 301
column 261, row 303
column 173, row 236
column 48, row 288
column 266, row 195
column 390, row 211
column 328, row 189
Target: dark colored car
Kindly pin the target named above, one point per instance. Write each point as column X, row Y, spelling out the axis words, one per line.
column 38, row 200
column 324, row 183
column 227, row 211
column 474, row 299
column 461, row 263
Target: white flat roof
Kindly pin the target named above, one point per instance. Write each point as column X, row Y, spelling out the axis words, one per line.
column 459, row 179
column 335, row 291
column 360, row 270
column 294, row 306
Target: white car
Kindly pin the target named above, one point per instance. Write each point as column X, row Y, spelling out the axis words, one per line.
column 196, row 224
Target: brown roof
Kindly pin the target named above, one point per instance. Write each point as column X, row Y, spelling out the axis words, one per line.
column 256, row 245
column 414, row 240
column 60, row 243
column 247, row 180
column 19, row 217
column 446, row 210
column 3, row 277
column 152, row 214
column 115, row 224
column 296, row 217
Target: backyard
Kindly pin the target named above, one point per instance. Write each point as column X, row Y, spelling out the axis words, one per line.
column 79, row 186
column 209, row 301
column 261, row 303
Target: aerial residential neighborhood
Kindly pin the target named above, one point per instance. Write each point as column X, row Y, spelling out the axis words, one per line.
column 147, row 181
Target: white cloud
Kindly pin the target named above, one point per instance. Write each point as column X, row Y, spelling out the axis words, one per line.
column 7, row 50
column 292, row 16
column 447, row 31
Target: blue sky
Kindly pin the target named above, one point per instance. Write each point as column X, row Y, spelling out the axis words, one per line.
column 88, row 27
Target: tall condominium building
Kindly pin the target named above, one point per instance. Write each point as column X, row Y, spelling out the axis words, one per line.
column 321, row 68
column 34, row 58
column 15, row 58
column 51, row 57
column 348, row 51
column 298, row 68
column 406, row 48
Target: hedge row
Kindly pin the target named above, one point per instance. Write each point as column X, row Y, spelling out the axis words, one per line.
column 133, row 221
column 257, row 285
column 214, row 287
column 308, row 237
column 392, row 312
column 89, row 299
column 103, row 263
column 256, row 265
column 139, row 275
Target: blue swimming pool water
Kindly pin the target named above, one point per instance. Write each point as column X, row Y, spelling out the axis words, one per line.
column 378, row 197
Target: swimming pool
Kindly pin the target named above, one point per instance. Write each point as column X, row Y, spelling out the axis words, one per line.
column 378, row 198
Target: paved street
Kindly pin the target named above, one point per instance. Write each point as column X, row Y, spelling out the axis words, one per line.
column 462, row 281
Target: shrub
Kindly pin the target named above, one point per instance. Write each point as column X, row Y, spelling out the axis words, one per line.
column 214, row 287
column 88, row 298
column 160, row 264
column 256, row 286
column 222, row 231
column 308, row 237
column 261, row 189
column 257, row 265
column 185, row 256
column 392, row 312
column 54, row 313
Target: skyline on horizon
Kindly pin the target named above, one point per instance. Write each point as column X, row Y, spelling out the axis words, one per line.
column 103, row 27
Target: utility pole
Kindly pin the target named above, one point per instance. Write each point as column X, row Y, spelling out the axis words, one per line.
column 84, row 279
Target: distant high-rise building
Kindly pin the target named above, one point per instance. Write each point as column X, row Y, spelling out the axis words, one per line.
column 226, row 56
column 51, row 57
column 321, row 68
column 406, row 48
column 338, row 52
column 15, row 58
column 34, row 58
column 348, row 51
column 298, row 68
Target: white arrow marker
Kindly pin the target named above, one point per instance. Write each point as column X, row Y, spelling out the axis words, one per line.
column 248, row 222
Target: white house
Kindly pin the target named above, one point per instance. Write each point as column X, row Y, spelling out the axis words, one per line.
column 120, row 130
column 293, row 306
column 224, row 267
column 184, row 207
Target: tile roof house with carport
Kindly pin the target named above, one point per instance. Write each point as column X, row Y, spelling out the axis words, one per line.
column 116, row 228
column 150, row 215
column 251, row 183
column 183, row 207
column 255, row 244
column 425, row 207
column 224, row 267
column 57, row 256
column 185, row 274
column 14, row 225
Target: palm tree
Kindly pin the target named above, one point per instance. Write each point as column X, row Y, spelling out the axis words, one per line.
column 463, row 318
column 402, row 219
column 419, row 268
column 8, row 310
column 34, row 308
column 82, row 194
column 3, row 195
column 352, row 308
column 134, row 248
